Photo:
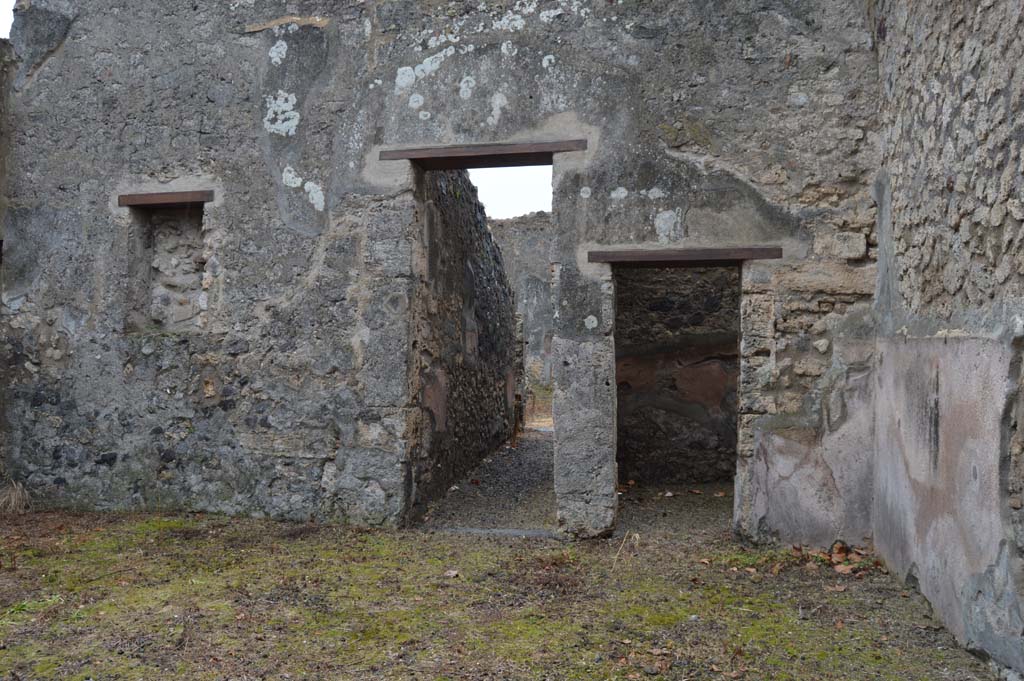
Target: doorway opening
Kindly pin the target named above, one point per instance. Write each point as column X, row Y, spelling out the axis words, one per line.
column 518, row 204
column 677, row 334
column 469, row 260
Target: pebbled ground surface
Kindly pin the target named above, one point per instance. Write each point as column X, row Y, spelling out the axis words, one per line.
column 514, row 488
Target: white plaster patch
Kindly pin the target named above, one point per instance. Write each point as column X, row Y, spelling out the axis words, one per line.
column 656, row 193
column 405, row 78
column 424, row 115
column 510, row 22
column 548, row 61
column 278, row 52
column 281, row 118
column 590, row 322
column 619, row 193
column 548, row 15
column 432, row 63
column 509, row 49
column 498, row 103
column 466, row 87
column 578, row 7
column 415, row 101
column 367, row 27
column 437, row 40
column 315, row 194
column 666, row 225
column 585, row 192
column 290, row 177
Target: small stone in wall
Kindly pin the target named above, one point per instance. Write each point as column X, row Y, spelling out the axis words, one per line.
column 809, row 367
column 821, row 345
column 844, row 245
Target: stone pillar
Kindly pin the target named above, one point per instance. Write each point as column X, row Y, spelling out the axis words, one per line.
column 757, row 359
column 584, row 405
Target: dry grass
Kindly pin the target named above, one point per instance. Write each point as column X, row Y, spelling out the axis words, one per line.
column 206, row 598
column 14, row 499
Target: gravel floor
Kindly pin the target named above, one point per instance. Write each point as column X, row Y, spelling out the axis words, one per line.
column 513, row 489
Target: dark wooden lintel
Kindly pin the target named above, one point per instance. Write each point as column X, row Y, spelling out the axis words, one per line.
column 684, row 257
column 158, row 199
column 484, row 155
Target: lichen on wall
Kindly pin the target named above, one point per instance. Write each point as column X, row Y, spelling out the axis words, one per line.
column 677, row 364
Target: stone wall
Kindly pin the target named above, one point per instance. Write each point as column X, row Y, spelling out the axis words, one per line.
column 525, row 244
column 291, row 397
column 677, row 364
column 947, row 491
column 464, row 336
column 8, row 66
column 294, row 395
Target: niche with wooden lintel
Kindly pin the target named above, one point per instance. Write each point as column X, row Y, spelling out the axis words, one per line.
column 168, row 261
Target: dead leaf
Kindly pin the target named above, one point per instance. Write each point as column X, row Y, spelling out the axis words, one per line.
column 844, row 569
column 838, row 588
column 452, row 574
column 719, row 494
column 696, row 491
column 705, row 561
column 669, row 494
column 751, row 570
column 840, row 625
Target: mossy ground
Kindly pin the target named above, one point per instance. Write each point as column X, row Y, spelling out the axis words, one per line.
column 206, row 597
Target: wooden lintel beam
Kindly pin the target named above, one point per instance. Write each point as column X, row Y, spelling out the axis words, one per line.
column 484, row 155
column 156, row 199
column 684, row 257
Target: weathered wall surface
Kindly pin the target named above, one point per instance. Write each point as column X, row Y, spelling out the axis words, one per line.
column 677, row 364
column 288, row 394
column 947, row 506
column 526, row 250
column 7, row 68
column 293, row 392
column 464, row 336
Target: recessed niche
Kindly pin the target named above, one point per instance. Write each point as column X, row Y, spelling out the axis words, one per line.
column 168, row 269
